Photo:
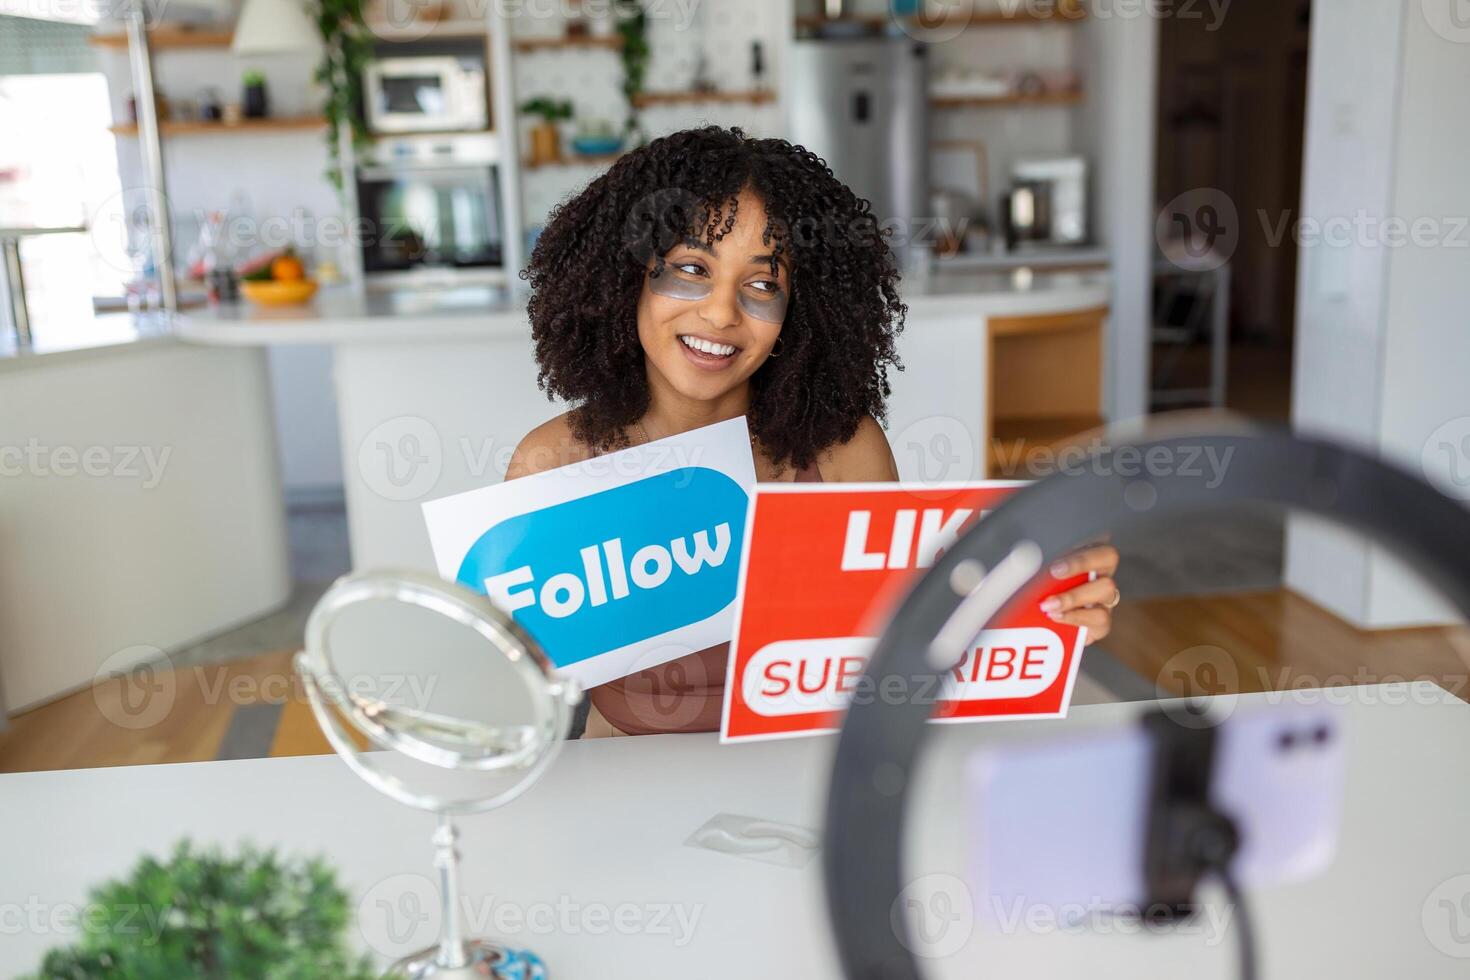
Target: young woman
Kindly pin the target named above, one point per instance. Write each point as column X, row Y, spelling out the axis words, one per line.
column 707, row 276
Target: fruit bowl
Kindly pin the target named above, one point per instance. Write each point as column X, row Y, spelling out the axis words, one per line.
column 287, row 292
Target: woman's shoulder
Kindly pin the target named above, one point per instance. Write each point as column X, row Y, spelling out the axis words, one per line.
column 549, row 445
column 863, row 458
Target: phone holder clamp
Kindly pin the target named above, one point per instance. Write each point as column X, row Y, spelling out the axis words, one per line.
column 1187, row 838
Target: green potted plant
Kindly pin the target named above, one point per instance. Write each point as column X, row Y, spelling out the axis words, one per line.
column 205, row 914
column 545, row 137
column 255, row 100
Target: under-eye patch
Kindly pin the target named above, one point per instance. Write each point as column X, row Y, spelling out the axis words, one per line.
column 666, row 283
column 770, row 308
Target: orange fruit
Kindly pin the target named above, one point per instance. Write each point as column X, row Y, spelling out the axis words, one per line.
column 288, row 268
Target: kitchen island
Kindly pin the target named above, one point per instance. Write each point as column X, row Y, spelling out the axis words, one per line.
column 434, row 389
column 142, row 501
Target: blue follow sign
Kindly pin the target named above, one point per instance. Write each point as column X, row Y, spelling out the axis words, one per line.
column 617, row 567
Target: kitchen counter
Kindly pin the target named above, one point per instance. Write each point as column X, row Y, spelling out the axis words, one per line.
column 347, row 315
column 435, row 389
column 344, row 315
column 105, row 334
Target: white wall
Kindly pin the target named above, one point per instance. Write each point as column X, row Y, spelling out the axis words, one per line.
column 1120, row 70
column 1009, row 133
column 677, row 33
column 1382, row 344
column 1426, row 351
column 1352, row 97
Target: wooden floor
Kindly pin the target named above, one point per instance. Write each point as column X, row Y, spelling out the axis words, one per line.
column 1276, row 640
column 179, row 716
column 1221, row 643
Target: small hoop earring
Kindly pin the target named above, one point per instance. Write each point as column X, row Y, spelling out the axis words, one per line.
column 777, row 344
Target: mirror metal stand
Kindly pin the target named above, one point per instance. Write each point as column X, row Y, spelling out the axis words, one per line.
column 497, row 759
column 455, row 956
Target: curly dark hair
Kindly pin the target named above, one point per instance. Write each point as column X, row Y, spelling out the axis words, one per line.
column 843, row 316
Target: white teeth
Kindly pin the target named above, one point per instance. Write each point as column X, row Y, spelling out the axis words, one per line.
column 707, row 346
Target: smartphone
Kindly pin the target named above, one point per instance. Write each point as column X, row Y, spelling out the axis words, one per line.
column 1060, row 823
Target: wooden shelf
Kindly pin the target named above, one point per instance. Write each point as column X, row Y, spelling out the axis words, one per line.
column 284, row 124
column 646, row 99
column 611, row 42
column 162, row 38
column 1062, row 14
column 1068, row 14
column 427, row 30
column 1013, row 439
column 575, row 160
column 1001, row 101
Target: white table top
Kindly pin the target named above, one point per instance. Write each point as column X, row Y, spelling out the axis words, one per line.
column 605, row 830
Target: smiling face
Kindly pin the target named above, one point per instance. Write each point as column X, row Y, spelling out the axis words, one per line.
column 713, row 314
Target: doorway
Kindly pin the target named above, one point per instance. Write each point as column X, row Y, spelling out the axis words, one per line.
column 1231, row 114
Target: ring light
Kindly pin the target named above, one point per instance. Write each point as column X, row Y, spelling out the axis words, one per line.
column 880, row 742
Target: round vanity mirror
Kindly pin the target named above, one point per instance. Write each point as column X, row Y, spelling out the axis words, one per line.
column 439, row 700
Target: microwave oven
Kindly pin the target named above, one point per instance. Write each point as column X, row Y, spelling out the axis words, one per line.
column 425, row 94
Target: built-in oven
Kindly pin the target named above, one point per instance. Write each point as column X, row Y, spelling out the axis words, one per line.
column 430, row 210
column 426, row 93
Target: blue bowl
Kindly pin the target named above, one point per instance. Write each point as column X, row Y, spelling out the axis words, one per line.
column 596, row 146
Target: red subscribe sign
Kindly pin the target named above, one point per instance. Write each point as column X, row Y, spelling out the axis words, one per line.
column 821, row 569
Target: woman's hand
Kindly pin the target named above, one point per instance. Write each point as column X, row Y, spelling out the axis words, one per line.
column 1091, row 603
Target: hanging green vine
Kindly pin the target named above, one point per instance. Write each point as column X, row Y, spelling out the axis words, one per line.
column 632, row 24
column 347, row 49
